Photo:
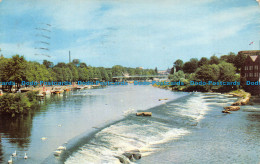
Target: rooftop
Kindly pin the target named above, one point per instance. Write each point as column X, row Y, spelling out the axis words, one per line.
column 250, row 52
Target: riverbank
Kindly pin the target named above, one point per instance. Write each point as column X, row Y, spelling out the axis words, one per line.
column 27, row 98
column 244, row 96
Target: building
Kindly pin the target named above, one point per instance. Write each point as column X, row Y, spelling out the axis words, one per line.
column 250, row 71
column 164, row 72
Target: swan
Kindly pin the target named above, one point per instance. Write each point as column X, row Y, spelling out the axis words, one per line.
column 14, row 154
column 25, row 156
column 61, row 148
column 57, row 152
column 43, row 138
column 10, row 160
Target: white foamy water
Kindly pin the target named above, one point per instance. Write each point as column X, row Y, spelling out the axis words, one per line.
column 139, row 133
column 119, row 138
column 194, row 107
column 146, row 134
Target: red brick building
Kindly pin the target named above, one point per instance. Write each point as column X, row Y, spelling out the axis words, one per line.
column 250, row 71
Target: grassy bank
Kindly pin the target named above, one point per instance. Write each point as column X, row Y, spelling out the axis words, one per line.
column 239, row 93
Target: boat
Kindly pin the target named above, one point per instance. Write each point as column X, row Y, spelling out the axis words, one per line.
column 88, row 86
column 80, row 87
column 40, row 96
column 46, row 92
column 57, row 90
column 96, row 86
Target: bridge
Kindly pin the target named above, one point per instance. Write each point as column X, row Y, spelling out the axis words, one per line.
column 141, row 77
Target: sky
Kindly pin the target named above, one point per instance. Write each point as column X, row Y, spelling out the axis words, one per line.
column 140, row 33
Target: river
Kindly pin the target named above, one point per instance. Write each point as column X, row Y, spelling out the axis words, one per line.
column 98, row 124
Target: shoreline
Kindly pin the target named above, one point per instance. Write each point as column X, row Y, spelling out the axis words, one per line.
column 244, row 97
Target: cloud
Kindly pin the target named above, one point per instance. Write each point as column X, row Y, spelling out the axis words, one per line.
column 145, row 30
column 129, row 32
column 24, row 49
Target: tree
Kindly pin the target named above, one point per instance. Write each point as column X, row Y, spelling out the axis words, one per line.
column 156, row 70
column 191, row 66
column 239, row 61
column 83, row 74
column 36, row 72
column 208, row 73
column 117, row 70
column 97, row 73
column 83, row 65
column 178, row 76
column 61, row 64
column 76, row 62
column 227, row 71
column 178, row 64
column 58, row 73
column 90, row 73
column 214, row 60
column 230, row 58
column 131, row 71
column 14, row 70
column 138, row 71
column 203, row 61
column 47, row 64
column 74, row 72
column 104, row 74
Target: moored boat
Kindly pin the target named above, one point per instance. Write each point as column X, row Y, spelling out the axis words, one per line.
column 57, row 90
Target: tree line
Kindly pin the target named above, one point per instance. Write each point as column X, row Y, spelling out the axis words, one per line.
column 17, row 69
column 223, row 68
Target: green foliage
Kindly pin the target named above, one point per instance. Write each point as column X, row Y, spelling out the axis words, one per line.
column 208, row 73
column 178, row 76
column 32, row 95
column 36, row 72
column 13, row 69
column 191, row 66
column 118, row 70
column 203, row 61
column 225, row 68
column 13, row 104
column 227, row 71
column 17, row 69
column 48, row 64
column 178, row 64
column 214, row 60
column 156, row 70
column 230, row 58
column 239, row 61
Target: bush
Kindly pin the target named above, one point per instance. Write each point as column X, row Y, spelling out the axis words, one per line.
column 18, row 103
column 32, row 95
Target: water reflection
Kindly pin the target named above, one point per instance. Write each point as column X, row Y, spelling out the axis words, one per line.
column 1, row 151
column 17, row 130
column 254, row 124
column 16, row 133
